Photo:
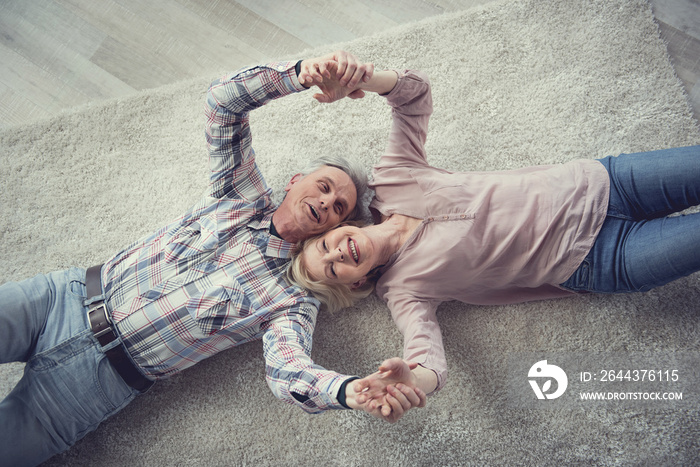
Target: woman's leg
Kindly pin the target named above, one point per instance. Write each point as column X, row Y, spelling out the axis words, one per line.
column 638, row 247
column 653, row 184
column 636, row 256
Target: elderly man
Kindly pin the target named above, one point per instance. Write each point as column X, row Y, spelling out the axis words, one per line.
column 210, row 280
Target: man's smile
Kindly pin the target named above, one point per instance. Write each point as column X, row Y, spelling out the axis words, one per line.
column 314, row 213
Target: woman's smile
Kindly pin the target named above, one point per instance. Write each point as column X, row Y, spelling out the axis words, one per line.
column 354, row 250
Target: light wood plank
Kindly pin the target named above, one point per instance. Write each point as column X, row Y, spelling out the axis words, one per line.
column 55, row 22
column 139, row 69
column 269, row 41
column 694, row 99
column 299, row 20
column 54, row 50
column 152, row 45
column 355, row 16
column 193, row 30
column 404, row 11
column 455, row 5
column 683, row 15
column 685, row 53
column 15, row 108
column 36, row 85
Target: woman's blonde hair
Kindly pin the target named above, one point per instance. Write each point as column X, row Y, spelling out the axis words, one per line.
column 333, row 296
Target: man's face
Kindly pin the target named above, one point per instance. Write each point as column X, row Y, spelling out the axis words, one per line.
column 316, row 203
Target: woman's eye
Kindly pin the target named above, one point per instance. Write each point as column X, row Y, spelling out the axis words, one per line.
column 325, row 248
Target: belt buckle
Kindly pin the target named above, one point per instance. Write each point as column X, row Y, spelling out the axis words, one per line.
column 108, row 319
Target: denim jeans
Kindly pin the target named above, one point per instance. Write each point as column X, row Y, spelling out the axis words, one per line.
column 68, row 387
column 639, row 247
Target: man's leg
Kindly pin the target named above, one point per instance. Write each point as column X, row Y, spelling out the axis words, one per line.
column 24, row 308
column 24, row 440
column 68, row 387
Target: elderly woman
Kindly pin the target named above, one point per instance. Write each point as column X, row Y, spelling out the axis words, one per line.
column 501, row 237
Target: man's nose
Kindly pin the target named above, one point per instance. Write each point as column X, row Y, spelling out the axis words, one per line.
column 327, row 200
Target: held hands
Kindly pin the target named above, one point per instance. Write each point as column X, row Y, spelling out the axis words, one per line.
column 337, row 75
column 390, row 392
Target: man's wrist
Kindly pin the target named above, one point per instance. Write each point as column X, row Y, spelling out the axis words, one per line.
column 342, row 392
column 297, row 69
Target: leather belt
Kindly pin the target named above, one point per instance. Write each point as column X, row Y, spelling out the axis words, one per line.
column 103, row 328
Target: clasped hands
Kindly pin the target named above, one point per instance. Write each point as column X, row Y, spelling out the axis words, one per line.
column 337, row 75
column 388, row 393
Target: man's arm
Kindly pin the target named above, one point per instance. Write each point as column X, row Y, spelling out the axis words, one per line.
column 229, row 101
column 294, row 378
column 231, row 98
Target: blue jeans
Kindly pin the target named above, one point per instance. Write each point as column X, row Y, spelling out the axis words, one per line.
column 639, row 247
column 68, row 387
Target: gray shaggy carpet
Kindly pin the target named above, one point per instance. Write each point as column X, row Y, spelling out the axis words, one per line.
column 515, row 83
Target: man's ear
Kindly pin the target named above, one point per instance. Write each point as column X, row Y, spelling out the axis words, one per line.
column 294, row 179
column 358, row 284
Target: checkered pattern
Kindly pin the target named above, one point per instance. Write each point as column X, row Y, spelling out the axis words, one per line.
column 214, row 278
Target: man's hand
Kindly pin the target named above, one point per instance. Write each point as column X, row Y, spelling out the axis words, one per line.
column 390, row 392
column 337, row 75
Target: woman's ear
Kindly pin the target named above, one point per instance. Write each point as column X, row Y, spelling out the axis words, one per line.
column 358, row 284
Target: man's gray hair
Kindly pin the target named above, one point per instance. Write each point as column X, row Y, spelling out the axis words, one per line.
column 355, row 171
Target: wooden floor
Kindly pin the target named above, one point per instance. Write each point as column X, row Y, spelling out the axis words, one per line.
column 55, row 54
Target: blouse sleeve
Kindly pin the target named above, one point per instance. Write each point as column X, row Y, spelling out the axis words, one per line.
column 422, row 337
column 412, row 104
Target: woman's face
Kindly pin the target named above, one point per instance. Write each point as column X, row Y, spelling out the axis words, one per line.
column 342, row 256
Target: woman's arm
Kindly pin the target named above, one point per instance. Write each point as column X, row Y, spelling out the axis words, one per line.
column 417, row 322
column 382, row 82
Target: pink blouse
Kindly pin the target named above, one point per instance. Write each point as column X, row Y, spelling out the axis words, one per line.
column 486, row 238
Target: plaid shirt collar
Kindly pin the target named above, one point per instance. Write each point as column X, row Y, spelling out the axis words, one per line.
column 276, row 247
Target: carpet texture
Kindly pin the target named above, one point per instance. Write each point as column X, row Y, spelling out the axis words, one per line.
column 515, row 83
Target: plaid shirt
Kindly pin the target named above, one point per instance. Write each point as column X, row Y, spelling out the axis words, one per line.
column 214, row 278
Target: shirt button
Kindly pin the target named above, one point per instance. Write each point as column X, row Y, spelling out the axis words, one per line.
column 430, row 219
column 445, row 217
column 463, row 216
